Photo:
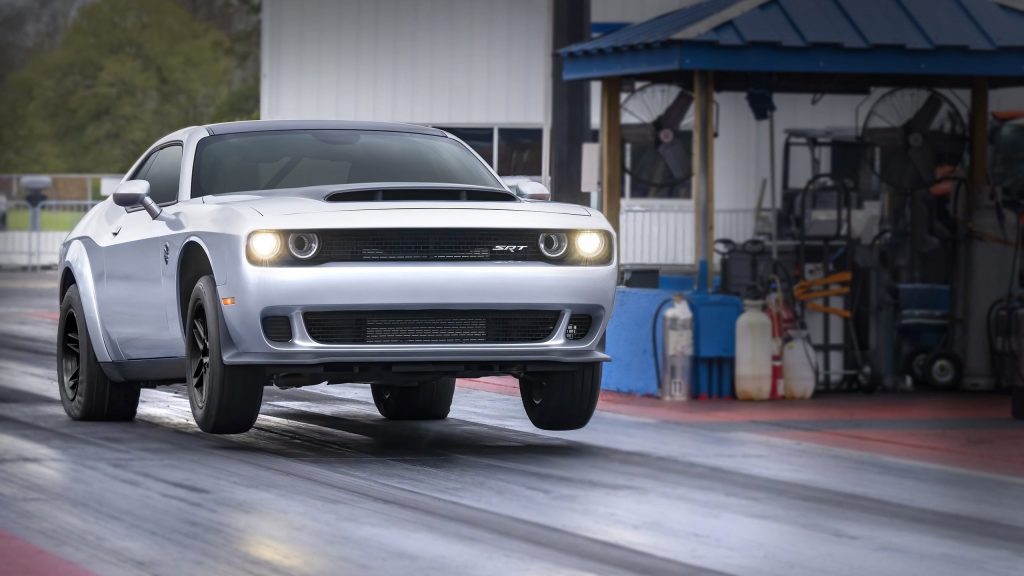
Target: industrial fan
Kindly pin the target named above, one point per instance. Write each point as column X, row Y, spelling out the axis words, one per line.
column 919, row 136
column 656, row 134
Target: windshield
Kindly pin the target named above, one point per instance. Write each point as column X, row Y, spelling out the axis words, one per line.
column 273, row 160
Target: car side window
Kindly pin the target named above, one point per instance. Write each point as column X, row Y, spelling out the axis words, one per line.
column 162, row 169
column 163, row 175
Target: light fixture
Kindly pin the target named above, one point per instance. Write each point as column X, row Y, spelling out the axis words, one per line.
column 589, row 244
column 553, row 244
column 264, row 245
column 303, row 245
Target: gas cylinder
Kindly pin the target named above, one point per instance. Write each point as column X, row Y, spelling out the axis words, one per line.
column 753, row 353
column 798, row 366
column 678, row 351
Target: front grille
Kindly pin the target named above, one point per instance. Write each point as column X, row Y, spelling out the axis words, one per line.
column 578, row 327
column 431, row 326
column 277, row 328
column 429, row 245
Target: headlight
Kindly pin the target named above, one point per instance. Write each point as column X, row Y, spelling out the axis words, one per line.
column 589, row 244
column 264, row 245
column 303, row 245
column 553, row 244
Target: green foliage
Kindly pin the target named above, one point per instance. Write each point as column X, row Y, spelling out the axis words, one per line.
column 125, row 73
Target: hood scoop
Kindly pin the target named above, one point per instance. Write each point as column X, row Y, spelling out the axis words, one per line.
column 420, row 195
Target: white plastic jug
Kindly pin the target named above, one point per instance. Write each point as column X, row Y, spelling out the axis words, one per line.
column 753, row 353
column 678, row 351
column 798, row 366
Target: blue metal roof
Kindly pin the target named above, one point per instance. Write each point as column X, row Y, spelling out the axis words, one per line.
column 933, row 37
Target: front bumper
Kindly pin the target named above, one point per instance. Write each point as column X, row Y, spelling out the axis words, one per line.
column 269, row 291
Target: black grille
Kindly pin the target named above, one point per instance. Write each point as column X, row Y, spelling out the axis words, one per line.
column 277, row 328
column 431, row 326
column 429, row 245
column 578, row 327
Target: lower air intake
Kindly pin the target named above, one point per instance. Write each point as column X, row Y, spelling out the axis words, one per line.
column 431, row 326
column 277, row 328
column 578, row 327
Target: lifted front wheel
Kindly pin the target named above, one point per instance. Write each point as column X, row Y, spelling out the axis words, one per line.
column 561, row 400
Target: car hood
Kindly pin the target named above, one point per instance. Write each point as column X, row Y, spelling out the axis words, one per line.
column 312, row 200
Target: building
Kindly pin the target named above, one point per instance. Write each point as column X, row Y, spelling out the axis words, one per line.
column 482, row 69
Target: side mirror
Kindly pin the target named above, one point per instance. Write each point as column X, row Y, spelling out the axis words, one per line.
column 132, row 193
column 528, row 189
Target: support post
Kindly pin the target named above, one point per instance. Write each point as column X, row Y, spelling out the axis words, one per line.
column 978, row 175
column 977, row 178
column 611, row 150
column 704, row 171
column 570, row 105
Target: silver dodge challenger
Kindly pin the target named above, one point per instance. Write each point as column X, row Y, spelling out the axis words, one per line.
column 240, row 255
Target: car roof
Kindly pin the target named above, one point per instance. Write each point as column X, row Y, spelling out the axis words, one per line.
column 270, row 125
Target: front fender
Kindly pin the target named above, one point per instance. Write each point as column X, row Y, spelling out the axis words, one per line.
column 77, row 259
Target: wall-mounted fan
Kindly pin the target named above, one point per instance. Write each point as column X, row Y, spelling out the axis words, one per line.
column 656, row 131
column 919, row 136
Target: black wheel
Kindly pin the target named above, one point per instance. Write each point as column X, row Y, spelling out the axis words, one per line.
column 944, row 371
column 225, row 399
column 429, row 400
column 85, row 390
column 1017, row 402
column 563, row 400
column 916, row 364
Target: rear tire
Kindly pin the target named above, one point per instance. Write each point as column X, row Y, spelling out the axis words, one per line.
column 427, row 401
column 85, row 390
column 561, row 400
column 225, row 399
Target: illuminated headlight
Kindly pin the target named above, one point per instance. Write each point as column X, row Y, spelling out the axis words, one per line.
column 589, row 244
column 264, row 245
column 303, row 245
column 553, row 244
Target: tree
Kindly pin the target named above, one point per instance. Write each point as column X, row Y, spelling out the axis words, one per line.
column 124, row 73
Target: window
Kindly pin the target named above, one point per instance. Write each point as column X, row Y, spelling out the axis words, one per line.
column 481, row 140
column 519, row 151
column 280, row 159
column 162, row 170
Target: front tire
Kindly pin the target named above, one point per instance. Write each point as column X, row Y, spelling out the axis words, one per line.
column 85, row 390
column 563, row 400
column 426, row 401
column 225, row 399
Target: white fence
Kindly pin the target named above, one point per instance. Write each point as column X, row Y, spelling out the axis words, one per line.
column 657, row 233
column 663, row 232
column 23, row 249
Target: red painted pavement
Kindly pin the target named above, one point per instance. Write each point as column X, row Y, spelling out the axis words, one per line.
column 22, row 558
column 989, row 441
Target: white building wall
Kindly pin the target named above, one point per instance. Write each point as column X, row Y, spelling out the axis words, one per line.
column 446, row 62
column 633, row 10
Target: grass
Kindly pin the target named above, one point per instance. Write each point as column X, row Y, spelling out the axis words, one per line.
column 49, row 221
